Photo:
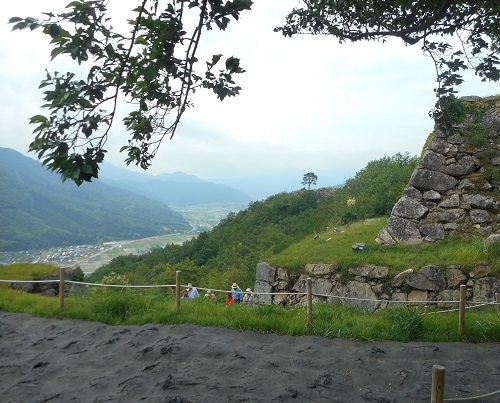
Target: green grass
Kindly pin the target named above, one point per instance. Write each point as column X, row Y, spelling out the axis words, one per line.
column 460, row 251
column 26, row 271
column 137, row 307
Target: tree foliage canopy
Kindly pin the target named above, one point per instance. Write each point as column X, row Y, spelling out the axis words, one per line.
column 457, row 35
column 154, row 67
column 309, row 179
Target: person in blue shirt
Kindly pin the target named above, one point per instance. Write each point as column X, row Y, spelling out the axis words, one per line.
column 192, row 291
column 236, row 293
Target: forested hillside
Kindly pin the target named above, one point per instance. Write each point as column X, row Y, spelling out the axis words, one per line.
column 38, row 211
column 234, row 247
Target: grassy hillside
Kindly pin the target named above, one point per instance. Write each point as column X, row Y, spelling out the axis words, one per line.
column 336, row 247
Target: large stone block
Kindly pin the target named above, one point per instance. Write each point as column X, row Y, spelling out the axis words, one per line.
column 370, row 271
column 479, row 216
column 428, row 278
column 455, row 278
column 263, row 287
column 493, row 239
column 453, row 201
column 456, row 215
column 485, row 289
column 432, row 160
column 464, row 166
column 407, row 207
column 442, row 147
column 397, row 299
column 426, row 179
column 480, row 270
column 321, row 286
column 417, row 296
column 400, row 278
column 282, row 274
column 412, row 192
column 445, row 296
column 491, row 119
column 482, row 202
column 300, row 284
column 403, row 231
column 355, row 293
column 385, row 238
column 321, row 268
column 434, row 231
column 265, row 272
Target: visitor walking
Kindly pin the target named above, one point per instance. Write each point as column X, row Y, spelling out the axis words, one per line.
column 237, row 294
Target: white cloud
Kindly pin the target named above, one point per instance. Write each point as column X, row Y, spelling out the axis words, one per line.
column 307, row 104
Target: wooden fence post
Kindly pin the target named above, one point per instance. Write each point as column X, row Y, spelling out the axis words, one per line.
column 461, row 310
column 309, row 301
column 177, row 291
column 437, row 392
column 497, row 299
column 61, row 287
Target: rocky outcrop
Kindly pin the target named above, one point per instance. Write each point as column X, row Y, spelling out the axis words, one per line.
column 456, row 186
column 372, row 287
column 51, row 289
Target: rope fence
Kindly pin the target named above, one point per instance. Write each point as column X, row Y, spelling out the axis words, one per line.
column 437, row 388
column 462, row 303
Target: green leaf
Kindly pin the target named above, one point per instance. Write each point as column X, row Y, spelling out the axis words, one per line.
column 38, row 119
column 86, row 169
column 55, row 52
column 54, row 30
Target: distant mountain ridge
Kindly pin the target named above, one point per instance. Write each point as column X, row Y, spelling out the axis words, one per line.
column 37, row 210
column 176, row 188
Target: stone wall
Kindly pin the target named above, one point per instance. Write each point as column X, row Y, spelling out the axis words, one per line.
column 52, row 289
column 372, row 287
column 456, row 186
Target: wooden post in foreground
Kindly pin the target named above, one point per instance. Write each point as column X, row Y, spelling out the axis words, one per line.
column 437, row 392
column 497, row 299
column 177, row 291
column 61, row 287
column 309, row 302
column 461, row 311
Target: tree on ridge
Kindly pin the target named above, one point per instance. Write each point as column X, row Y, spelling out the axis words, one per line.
column 309, row 179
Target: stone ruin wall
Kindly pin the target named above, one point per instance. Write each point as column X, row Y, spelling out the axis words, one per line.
column 372, row 287
column 456, row 186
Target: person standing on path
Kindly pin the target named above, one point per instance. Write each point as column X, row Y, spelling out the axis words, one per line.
column 192, row 291
column 248, row 297
column 236, row 293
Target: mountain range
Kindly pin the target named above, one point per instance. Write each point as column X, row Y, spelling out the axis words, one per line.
column 177, row 189
column 38, row 211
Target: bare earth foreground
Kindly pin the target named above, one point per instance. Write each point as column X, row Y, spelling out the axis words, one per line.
column 77, row 361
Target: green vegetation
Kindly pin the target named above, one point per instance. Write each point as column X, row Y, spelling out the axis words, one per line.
column 26, row 271
column 463, row 251
column 137, row 307
column 232, row 249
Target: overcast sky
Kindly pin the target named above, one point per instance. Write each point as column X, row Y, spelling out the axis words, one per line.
column 308, row 104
